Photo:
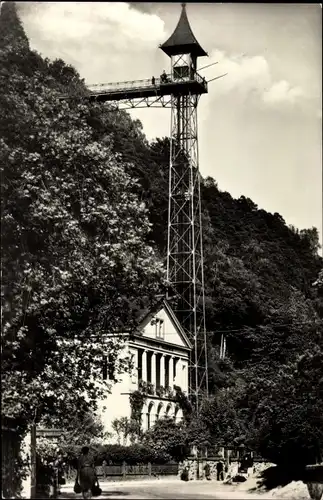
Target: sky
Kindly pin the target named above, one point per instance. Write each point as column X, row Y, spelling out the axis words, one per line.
column 260, row 127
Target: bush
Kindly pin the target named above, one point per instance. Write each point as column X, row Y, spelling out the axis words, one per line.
column 168, row 437
column 117, row 454
column 132, row 455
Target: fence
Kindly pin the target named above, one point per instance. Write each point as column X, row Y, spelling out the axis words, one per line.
column 9, row 454
column 124, row 471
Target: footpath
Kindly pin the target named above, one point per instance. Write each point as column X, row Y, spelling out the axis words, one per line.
column 68, row 488
column 167, row 488
column 175, row 488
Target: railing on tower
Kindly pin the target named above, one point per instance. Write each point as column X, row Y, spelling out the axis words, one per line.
column 146, row 84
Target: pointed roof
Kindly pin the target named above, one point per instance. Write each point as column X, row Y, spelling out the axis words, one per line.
column 183, row 41
column 145, row 318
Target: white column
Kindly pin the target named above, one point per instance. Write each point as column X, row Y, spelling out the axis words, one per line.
column 178, row 368
column 184, row 376
column 134, row 370
column 171, row 371
column 144, row 366
column 153, row 369
column 162, row 370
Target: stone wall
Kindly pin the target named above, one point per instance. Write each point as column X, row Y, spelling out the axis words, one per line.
column 193, row 465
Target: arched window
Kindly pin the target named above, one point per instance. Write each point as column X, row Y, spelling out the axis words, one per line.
column 149, row 415
column 168, row 410
column 159, row 409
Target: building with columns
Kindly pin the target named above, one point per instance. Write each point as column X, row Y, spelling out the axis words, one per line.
column 159, row 354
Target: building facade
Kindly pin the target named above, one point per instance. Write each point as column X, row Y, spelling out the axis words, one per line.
column 159, row 355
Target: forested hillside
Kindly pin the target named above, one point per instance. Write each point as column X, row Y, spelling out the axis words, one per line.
column 80, row 184
column 258, row 271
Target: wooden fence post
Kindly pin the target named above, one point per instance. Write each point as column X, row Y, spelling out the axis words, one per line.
column 124, row 471
column 149, row 469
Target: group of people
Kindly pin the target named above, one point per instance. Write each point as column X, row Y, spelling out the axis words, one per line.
column 163, row 78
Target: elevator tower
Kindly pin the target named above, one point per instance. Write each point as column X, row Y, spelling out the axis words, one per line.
column 180, row 90
column 185, row 244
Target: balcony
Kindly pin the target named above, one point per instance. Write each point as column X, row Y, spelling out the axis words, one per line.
column 176, row 84
column 156, row 391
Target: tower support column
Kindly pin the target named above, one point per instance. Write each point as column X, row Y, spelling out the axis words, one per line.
column 185, row 245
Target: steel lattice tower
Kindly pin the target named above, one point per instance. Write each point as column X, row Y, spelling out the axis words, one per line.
column 185, row 245
column 180, row 90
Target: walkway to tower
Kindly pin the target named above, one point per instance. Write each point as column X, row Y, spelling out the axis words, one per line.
column 137, row 89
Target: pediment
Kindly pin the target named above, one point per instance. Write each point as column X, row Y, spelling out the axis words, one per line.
column 163, row 325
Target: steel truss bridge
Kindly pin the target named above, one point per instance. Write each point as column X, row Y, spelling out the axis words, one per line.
column 145, row 94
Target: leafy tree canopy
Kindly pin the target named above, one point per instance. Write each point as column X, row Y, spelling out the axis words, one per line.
column 168, row 437
column 75, row 262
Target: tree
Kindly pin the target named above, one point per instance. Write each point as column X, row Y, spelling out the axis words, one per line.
column 74, row 260
column 288, row 426
column 169, row 437
column 89, row 430
column 220, row 418
column 312, row 238
column 319, row 282
column 125, row 427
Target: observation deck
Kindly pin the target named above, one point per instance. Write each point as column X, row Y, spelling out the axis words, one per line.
column 142, row 89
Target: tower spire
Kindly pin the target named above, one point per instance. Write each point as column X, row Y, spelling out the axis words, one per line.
column 183, row 41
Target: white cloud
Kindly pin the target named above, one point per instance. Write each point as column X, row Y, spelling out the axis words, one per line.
column 105, row 41
column 282, row 92
column 248, row 75
column 114, row 22
column 244, row 73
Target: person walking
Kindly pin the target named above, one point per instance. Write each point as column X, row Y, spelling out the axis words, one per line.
column 207, row 472
column 86, row 475
column 219, row 471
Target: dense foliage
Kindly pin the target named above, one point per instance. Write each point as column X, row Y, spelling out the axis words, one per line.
column 75, row 258
column 116, row 454
column 168, row 437
column 81, row 189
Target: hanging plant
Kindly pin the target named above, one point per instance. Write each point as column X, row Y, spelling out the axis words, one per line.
column 183, row 402
column 137, row 401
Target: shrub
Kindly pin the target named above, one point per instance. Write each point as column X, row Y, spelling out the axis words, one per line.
column 117, row 454
column 132, row 455
column 168, row 437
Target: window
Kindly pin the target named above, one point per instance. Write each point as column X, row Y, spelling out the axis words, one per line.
column 159, row 327
column 181, row 72
column 183, row 67
column 108, row 368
